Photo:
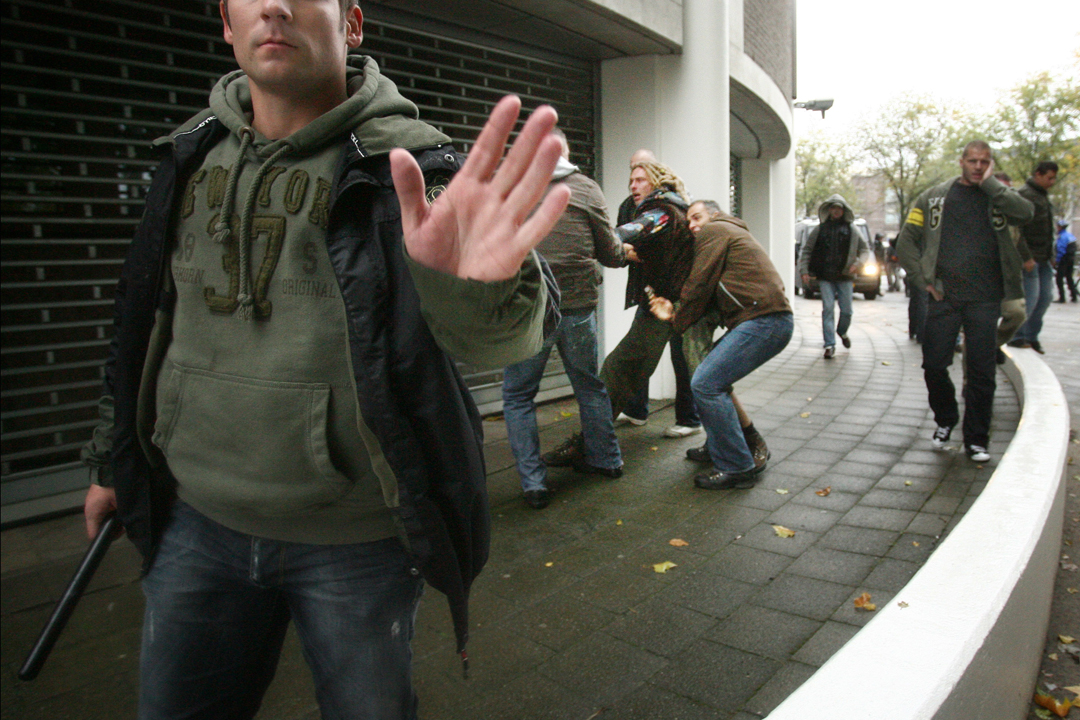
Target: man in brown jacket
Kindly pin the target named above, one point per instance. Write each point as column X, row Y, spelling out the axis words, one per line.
column 733, row 277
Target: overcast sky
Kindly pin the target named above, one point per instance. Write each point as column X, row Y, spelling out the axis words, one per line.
column 861, row 53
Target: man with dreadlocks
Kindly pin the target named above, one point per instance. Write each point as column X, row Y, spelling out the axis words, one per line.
column 659, row 239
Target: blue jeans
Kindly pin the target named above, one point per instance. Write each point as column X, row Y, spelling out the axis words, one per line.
column 576, row 340
column 685, row 413
column 838, row 291
column 745, row 347
column 1038, row 294
column 218, row 603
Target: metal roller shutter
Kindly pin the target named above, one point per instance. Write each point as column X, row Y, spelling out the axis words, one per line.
column 86, row 85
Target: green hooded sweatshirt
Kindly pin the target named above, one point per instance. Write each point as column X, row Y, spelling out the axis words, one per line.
column 257, row 412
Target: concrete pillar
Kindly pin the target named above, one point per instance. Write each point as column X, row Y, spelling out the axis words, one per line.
column 678, row 106
column 781, row 246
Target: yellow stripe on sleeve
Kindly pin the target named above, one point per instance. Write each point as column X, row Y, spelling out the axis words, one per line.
column 915, row 217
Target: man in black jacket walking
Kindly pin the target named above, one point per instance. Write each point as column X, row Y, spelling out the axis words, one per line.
column 1037, row 249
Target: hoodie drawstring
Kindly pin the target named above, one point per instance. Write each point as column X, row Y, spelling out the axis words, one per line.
column 222, row 231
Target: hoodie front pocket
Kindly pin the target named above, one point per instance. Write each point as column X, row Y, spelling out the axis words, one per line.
column 256, row 445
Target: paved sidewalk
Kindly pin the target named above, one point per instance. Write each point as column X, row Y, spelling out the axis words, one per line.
column 570, row 620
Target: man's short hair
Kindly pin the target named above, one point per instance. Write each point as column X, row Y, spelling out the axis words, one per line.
column 1046, row 166
column 980, row 145
column 1002, row 177
column 711, row 206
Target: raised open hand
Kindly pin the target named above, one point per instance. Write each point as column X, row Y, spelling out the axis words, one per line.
column 480, row 226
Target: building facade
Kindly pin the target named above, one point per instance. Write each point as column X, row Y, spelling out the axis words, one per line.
column 706, row 84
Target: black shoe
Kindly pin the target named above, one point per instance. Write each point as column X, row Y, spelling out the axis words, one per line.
column 830, row 352
column 1000, row 357
column 537, row 499
column 1037, row 347
column 1018, row 344
column 580, row 466
column 564, row 455
column 719, row 480
column 846, row 340
column 699, row 454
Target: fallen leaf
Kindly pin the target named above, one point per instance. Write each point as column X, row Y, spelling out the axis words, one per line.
column 1061, row 709
column 1071, row 591
column 915, row 543
column 781, row 491
column 1043, row 714
column 565, row 413
column 908, row 482
column 1074, row 689
column 863, row 603
column 1053, row 656
column 677, row 542
column 654, row 448
column 783, row 532
column 664, row 566
column 809, row 399
column 804, row 415
column 548, row 564
column 824, row 492
column 902, row 604
column 618, row 522
column 886, row 362
column 1066, row 639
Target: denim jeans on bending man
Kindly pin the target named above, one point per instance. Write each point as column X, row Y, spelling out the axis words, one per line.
column 576, row 339
column 218, row 603
column 1038, row 294
column 685, row 413
column 835, row 292
column 739, row 352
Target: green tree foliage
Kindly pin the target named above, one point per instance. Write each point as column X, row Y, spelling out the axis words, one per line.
column 822, row 167
column 913, row 143
column 1040, row 120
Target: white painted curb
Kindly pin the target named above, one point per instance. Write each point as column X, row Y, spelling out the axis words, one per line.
column 963, row 639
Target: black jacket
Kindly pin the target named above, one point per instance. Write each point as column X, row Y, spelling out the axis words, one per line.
column 410, row 392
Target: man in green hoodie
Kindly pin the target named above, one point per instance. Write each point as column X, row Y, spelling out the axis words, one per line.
column 291, row 439
column 956, row 246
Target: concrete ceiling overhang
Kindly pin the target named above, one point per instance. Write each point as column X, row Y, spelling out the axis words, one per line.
column 756, row 130
column 579, row 28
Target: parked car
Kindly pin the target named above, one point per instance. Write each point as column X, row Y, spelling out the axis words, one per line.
column 868, row 279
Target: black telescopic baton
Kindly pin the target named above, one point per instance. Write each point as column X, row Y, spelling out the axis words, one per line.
column 49, row 634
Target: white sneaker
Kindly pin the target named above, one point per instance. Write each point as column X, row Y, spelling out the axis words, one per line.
column 678, row 431
column 625, row 419
column 941, row 436
column 977, row 453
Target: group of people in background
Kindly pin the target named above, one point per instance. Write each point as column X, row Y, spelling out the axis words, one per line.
column 692, row 268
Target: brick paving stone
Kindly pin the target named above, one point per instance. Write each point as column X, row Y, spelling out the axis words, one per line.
column 708, row 593
column 849, row 614
column 747, row 564
column 873, row 517
column 718, row 675
column 911, row 547
column 833, row 565
column 661, row 627
column 867, row 541
column 602, row 667
column 797, row 516
column 808, row 597
column 650, row 702
column 764, row 631
column 895, row 499
column 891, row 574
column 786, row 681
column 827, row 640
column 764, row 537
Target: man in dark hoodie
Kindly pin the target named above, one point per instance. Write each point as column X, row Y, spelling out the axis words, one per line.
column 1036, row 248
column 833, row 254
column 575, row 248
column 291, row 440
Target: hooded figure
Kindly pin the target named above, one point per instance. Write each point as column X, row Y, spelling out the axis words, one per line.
column 833, row 253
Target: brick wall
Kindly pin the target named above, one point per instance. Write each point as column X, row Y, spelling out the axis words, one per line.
column 769, row 39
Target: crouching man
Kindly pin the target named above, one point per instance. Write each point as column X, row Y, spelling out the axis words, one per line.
column 733, row 277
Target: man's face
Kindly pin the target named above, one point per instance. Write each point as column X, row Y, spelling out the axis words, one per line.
column 836, row 211
column 1045, row 180
column 292, row 46
column 973, row 166
column 697, row 216
column 639, row 184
